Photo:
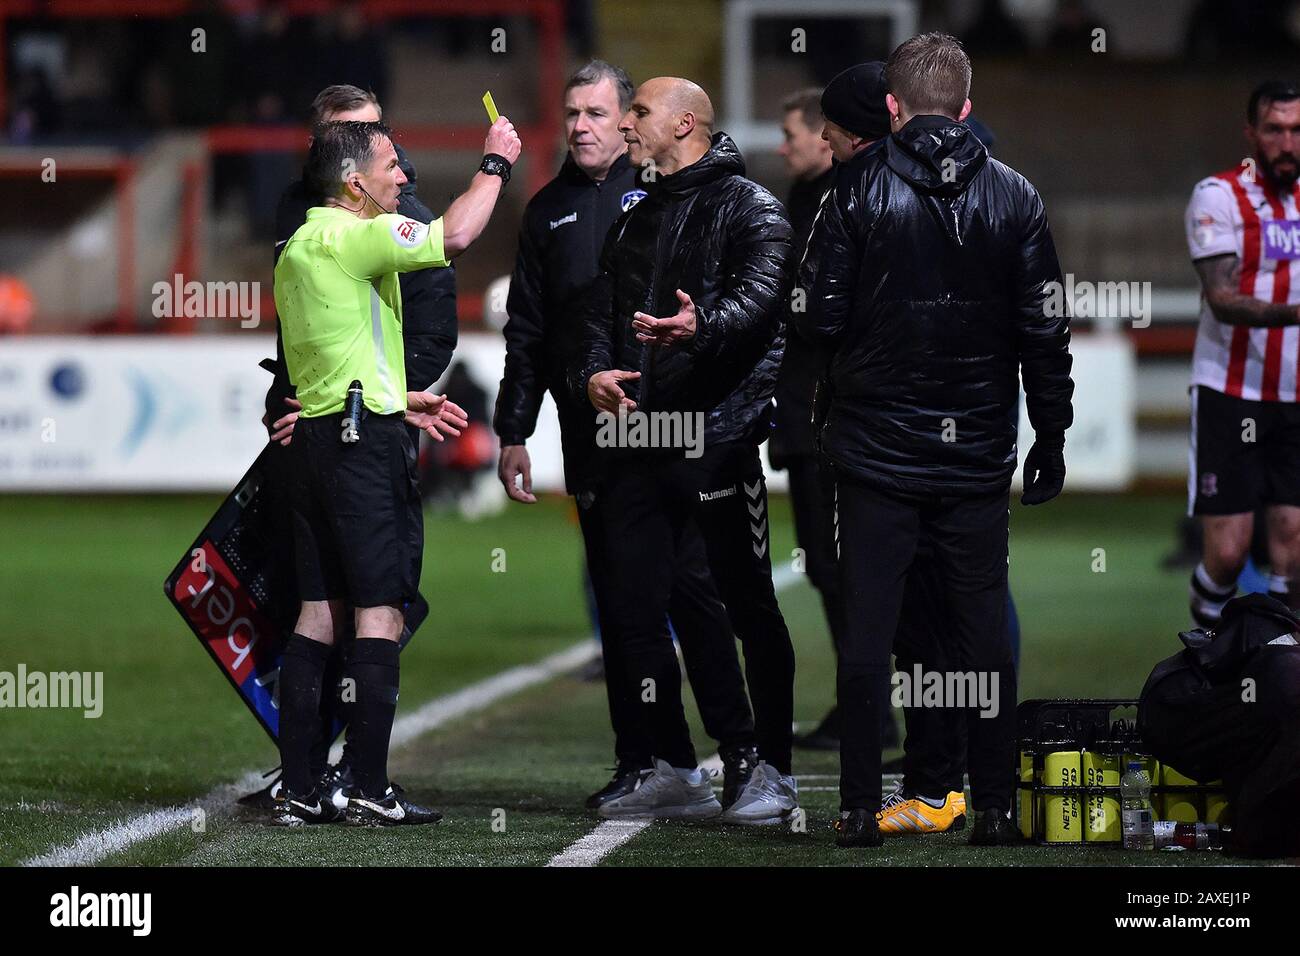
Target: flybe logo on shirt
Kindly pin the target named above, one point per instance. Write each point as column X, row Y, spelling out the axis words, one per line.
column 1282, row 239
column 408, row 232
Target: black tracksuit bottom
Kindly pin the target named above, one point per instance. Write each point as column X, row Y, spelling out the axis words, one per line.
column 1250, row 740
column 878, row 540
column 934, row 751
column 812, row 499
column 648, row 505
column 703, row 630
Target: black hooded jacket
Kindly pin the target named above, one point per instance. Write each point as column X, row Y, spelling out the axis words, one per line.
column 428, row 296
column 724, row 241
column 926, row 275
column 560, row 241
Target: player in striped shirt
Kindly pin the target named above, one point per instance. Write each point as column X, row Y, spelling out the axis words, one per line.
column 1243, row 229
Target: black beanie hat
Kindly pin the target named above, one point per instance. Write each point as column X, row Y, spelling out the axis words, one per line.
column 855, row 100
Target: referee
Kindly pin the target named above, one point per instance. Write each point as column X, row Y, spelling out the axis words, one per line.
column 358, row 527
column 428, row 336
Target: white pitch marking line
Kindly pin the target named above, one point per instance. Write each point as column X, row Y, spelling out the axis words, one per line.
column 609, row 835
column 475, row 697
column 605, row 839
column 599, row 843
column 93, row 847
column 96, row 846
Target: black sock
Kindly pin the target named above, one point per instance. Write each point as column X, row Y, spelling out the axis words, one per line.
column 372, row 668
column 330, row 710
column 301, row 668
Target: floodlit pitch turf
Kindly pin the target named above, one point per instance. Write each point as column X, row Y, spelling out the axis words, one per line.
column 80, row 589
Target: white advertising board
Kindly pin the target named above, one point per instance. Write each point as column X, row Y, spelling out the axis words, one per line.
column 159, row 413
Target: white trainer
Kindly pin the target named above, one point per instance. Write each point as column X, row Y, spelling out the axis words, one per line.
column 769, row 797
column 667, row 793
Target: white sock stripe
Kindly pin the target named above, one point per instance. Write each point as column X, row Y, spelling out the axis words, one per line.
column 1205, row 613
column 1203, row 578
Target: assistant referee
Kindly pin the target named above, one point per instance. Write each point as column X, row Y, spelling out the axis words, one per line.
column 358, row 526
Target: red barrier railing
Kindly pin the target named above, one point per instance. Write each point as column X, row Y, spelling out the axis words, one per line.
column 538, row 134
column 122, row 171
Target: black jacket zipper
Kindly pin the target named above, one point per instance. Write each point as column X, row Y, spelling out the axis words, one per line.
column 648, row 351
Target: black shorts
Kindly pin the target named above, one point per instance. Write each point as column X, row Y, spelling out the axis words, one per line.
column 357, row 524
column 1228, row 472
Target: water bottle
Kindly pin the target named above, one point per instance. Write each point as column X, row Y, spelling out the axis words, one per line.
column 1138, row 819
column 1173, row 835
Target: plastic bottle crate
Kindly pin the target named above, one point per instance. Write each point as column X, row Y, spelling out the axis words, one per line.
column 1072, row 753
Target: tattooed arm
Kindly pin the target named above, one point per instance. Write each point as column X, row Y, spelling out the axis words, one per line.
column 1221, row 280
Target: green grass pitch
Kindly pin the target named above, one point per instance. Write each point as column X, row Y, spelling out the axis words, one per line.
column 80, row 589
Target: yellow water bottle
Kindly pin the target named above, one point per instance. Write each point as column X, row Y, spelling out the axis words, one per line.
column 1103, row 825
column 1179, row 807
column 1061, row 811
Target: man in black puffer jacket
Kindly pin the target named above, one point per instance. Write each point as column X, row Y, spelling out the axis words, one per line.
column 820, row 125
column 560, row 241
column 926, row 275
column 684, row 326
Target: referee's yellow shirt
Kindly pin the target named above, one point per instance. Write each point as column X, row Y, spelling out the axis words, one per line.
column 340, row 305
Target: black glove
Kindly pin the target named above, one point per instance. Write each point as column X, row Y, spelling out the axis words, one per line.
column 1044, row 469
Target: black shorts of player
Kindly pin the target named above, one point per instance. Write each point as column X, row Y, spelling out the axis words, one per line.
column 357, row 525
column 1243, row 454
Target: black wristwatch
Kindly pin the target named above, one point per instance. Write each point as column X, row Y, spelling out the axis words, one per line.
column 495, row 165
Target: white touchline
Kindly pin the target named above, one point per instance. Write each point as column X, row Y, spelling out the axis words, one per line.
column 96, row 846
column 609, row 835
column 440, row 710
column 93, row 847
column 599, row 843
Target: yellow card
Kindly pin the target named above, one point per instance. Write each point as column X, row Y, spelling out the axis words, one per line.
column 490, row 106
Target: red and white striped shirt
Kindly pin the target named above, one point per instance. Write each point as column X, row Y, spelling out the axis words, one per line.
column 1229, row 213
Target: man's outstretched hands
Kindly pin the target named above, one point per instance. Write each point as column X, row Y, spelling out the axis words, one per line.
column 606, row 395
column 675, row 328
column 435, row 415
